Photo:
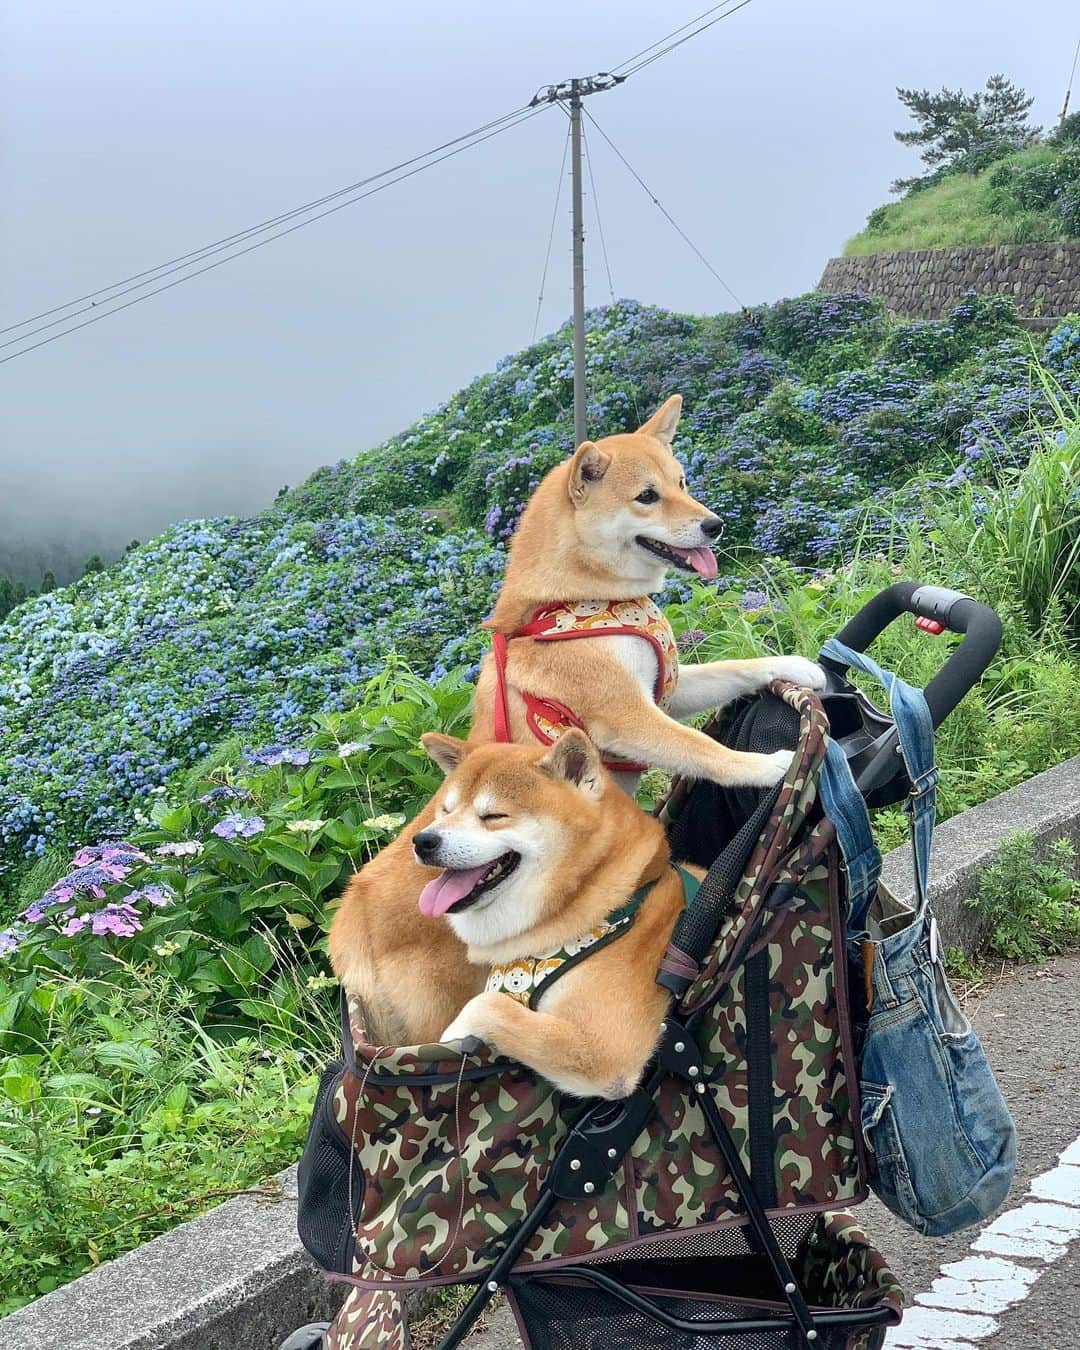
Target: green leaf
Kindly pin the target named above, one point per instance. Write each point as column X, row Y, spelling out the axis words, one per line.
column 256, row 956
column 326, row 874
column 284, row 855
column 175, row 821
column 341, row 778
column 21, row 1088
column 348, row 836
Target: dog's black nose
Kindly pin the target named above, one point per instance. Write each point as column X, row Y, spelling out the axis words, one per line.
column 426, row 844
column 712, row 527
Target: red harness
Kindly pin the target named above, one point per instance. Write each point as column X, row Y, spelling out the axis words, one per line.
column 547, row 718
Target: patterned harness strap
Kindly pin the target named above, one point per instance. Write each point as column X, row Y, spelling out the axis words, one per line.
column 547, row 718
column 525, row 979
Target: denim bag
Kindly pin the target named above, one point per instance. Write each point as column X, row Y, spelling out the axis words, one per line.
column 942, row 1141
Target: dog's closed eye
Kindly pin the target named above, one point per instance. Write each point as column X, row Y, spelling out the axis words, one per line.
column 494, row 815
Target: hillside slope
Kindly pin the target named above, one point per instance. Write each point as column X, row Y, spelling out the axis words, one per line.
column 1029, row 196
column 797, row 415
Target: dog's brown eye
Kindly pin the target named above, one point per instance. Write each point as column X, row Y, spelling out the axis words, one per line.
column 647, row 497
column 495, row 815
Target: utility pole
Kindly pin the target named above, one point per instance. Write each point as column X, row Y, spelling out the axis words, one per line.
column 1068, row 92
column 572, row 92
column 577, row 226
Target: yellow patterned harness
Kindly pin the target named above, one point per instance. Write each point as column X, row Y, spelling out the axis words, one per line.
column 524, row 979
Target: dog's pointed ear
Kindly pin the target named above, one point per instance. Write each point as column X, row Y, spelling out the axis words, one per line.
column 575, row 759
column 446, row 751
column 588, row 466
column 663, row 422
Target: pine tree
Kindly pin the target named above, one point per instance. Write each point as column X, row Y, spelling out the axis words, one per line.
column 951, row 124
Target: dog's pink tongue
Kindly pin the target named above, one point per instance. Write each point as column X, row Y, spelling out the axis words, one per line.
column 448, row 888
column 702, row 560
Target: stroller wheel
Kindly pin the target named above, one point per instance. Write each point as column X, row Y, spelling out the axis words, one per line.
column 306, row 1338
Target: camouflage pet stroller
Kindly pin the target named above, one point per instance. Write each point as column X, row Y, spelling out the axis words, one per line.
column 706, row 1209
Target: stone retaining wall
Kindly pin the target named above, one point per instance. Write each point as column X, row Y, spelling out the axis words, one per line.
column 1043, row 279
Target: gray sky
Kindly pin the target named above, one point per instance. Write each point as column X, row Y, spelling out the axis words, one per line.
column 132, row 132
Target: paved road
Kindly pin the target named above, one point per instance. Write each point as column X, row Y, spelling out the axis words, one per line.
column 1018, row 1287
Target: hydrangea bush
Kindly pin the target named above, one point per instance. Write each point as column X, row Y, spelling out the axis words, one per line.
column 200, row 745
column 796, row 415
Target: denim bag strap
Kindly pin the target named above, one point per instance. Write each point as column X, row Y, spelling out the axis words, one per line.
column 915, row 728
column 845, row 807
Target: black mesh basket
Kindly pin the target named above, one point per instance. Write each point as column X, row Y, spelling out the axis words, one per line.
column 723, row 1302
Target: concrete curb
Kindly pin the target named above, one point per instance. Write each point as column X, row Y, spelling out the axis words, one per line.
column 1048, row 806
column 238, row 1279
column 235, row 1278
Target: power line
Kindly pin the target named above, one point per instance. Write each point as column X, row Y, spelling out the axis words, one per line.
column 663, row 209
column 599, row 223
column 522, row 116
column 551, row 232
column 629, row 62
column 104, row 297
column 1068, row 90
column 218, row 244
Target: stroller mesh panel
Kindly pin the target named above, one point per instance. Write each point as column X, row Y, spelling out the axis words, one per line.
column 564, row 1313
column 790, row 1230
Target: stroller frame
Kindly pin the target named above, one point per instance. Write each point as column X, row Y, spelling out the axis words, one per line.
column 589, row 1157
column 597, row 1144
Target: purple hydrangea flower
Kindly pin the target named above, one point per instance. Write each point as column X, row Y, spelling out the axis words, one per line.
column 279, row 754
column 223, row 794
column 113, row 853
column 121, row 920
column 752, row 600
column 239, row 827
column 155, row 895
column 9, row 941
column 692, row 637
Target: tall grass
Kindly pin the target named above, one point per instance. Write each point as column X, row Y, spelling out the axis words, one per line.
column 1020, row 537
column 954, row 213
column 1014, row 544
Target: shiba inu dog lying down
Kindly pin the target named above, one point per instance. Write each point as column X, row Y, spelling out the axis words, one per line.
column 564, row 893
column 596, row 539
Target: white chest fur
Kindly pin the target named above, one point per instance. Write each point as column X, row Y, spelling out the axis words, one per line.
column 638, row 658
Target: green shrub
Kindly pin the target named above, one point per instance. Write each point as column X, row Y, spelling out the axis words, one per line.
column 1032, row 906
column 1025, row 528
column 122, row 1117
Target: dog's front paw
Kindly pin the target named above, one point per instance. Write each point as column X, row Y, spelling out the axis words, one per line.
column 768, row 770
column 798, row 670
column 471, row 1023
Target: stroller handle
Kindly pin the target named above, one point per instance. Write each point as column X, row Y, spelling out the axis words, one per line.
column 958, row 612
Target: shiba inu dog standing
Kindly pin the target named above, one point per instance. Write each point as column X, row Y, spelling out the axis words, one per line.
column 544, row 860
column 595, row 541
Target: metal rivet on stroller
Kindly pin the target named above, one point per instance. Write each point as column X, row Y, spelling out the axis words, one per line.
column 709, row 1207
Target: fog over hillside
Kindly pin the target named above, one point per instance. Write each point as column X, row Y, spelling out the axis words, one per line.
column 134, row 133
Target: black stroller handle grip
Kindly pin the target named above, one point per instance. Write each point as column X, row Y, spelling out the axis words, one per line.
column 958, row 612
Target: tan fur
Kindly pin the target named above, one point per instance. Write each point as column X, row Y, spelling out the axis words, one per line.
column 411, row 971
column 562, row 550
column 600, row 1022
